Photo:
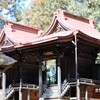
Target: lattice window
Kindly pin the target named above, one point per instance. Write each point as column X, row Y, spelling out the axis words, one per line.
column 6, row 42
column 59, row 28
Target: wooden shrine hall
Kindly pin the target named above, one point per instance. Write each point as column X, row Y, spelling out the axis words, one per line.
column 59, row 64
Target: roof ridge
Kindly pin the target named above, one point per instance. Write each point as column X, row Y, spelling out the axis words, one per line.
column 63, row 15
column 32, row 27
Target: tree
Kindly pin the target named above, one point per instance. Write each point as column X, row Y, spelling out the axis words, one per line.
column 1, row 24
column 14, row 11
column 5, row 4
column 10, row 9
column 40, row 12
column 89, row 9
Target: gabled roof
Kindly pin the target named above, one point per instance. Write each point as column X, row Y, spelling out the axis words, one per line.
column 6, row 62
column 15, row 34
column 84, row 27
column 64, row 26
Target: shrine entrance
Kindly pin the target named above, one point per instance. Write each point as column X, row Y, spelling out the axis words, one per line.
column 51, row 71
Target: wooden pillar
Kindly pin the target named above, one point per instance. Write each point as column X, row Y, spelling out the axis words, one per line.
column 20, row 90
column 59, row 77
column 78, row 89
column 86, row 93
column 28, row 94
column 13, row 96
column 40, row 79
column 3, row 84
column 76, row 71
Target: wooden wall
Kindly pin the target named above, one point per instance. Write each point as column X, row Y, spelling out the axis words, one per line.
column 33, row 94
column 67, row 68
column 85, row 67
column 92, row 93
column 98, row 69
column 26, row 69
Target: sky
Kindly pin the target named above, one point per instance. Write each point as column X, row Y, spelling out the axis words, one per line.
column 25, row 3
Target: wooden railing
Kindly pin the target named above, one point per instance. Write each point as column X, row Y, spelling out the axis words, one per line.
column 25, row 85
column 91, row 81
column 11, row 88
column 65, row 87
column 84, row 80
column 9, row 91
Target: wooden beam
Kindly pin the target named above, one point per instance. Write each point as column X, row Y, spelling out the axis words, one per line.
column 13, row 96
column 59, row 76
column 28, row 94
column 20, row 90
column 3, row 84
column 76, row 70
column 40, row 79
column 86, row 93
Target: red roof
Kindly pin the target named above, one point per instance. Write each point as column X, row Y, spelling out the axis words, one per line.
column 17, row 34
column 84, row 27
column 63, row 26
column 20, row 24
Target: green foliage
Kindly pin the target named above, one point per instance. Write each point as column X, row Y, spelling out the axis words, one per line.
column 10, row 9
column 15, row 11
column 51, row 71
column 40, row 12
column 5, row 3
column 90, row 9
column 98, row 59
column 1, row 24
column 51, row 63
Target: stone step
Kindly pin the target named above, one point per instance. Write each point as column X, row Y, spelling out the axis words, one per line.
column 52, row 91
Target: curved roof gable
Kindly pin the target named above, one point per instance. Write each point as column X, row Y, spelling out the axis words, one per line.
column 85, row 27
column 15, row 34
